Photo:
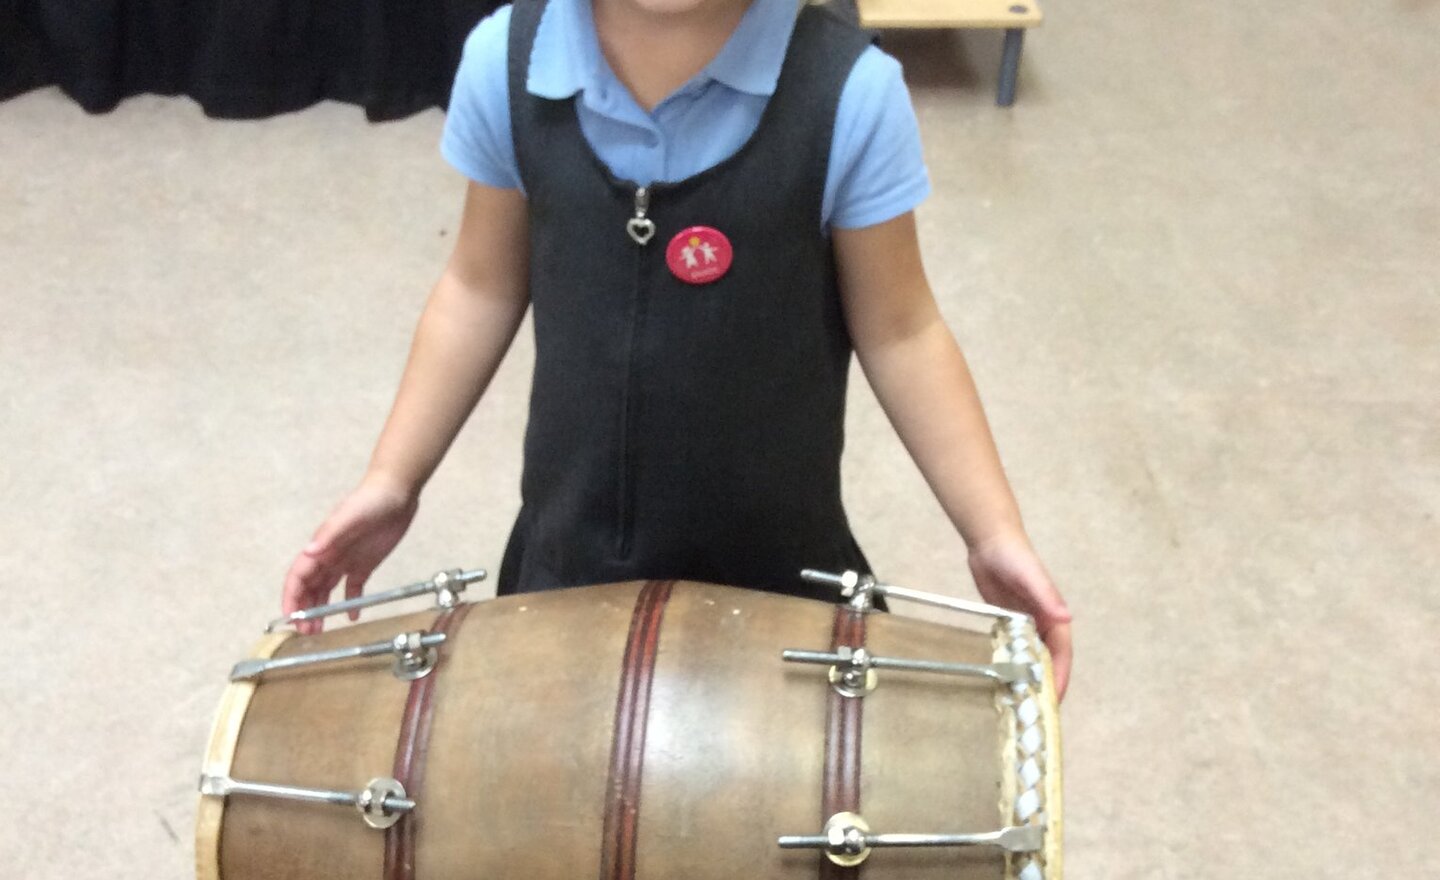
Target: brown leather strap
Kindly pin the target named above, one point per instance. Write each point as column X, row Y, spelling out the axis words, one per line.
column 841, row 783
column 410, row 750
column 632, row 707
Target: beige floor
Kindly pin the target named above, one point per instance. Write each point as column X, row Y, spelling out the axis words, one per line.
column 1195, row 268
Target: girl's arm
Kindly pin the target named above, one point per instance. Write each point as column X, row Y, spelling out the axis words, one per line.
column 915, row 366
column 467, row 326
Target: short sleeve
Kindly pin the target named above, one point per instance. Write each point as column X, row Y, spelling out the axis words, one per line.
column 877, row 169
column 477, row 137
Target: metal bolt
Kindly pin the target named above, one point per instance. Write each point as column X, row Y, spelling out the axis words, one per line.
column 845, row 840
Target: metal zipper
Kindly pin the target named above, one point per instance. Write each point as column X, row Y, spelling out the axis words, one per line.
column 641, row 229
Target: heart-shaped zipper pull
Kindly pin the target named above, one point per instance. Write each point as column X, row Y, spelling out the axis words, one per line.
column 641, row 228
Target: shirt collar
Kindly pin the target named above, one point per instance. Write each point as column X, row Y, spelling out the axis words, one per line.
column 751, row 59
column 566, row 57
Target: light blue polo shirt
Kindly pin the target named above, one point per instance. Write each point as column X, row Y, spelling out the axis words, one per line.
column 876, row 172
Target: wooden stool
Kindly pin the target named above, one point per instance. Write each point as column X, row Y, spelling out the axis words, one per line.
column 1014, row 16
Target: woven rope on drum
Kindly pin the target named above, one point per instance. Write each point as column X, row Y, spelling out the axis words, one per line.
column 1019, row 640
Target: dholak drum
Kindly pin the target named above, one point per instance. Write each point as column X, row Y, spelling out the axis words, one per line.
column 657, row 730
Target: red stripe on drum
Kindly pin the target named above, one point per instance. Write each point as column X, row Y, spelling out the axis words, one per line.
column 840, row 787
column 632, row 708
column 411, row 747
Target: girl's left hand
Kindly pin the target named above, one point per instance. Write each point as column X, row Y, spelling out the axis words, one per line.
column 1009, row 574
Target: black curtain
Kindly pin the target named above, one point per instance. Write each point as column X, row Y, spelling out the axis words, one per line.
column 240, row 59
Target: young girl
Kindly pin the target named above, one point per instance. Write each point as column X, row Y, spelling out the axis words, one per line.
column 708, row 204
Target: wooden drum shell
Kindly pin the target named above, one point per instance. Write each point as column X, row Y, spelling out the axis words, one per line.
column 518, row 772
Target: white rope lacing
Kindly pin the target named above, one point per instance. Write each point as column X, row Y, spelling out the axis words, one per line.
column 1020, row 643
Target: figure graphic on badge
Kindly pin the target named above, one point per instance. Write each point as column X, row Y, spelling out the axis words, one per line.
column 688, row 253
column 696, row 245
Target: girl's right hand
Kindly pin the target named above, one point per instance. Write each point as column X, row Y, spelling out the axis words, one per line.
column 352, row 541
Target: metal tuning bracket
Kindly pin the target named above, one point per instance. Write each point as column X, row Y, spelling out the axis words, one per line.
column 446, row 585
column 381, row 803
column 414, row 653
column 853, row 672
column 847, row 839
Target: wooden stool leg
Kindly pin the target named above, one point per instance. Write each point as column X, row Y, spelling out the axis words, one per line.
column 1010, row 66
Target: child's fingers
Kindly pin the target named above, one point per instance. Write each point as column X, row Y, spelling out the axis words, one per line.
column 354, row 586
column 319, row 589
column 309, row 583
column 1057, row 639
column 298, row 584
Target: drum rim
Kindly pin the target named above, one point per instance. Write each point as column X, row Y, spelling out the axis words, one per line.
column 220, row 754
column 1048, row 720
column 1054, row 774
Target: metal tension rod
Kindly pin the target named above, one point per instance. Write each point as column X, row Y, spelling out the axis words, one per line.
column 860, row 588
column 382, row 802
column 1005, row 673
column 446, row 585
column 1025, row 838
column 414, row 656
column 847, row 839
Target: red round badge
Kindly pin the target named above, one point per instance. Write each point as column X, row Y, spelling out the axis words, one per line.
column 699, row 255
